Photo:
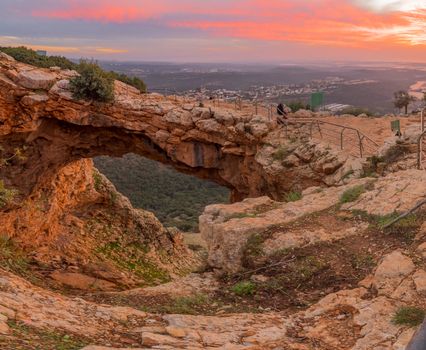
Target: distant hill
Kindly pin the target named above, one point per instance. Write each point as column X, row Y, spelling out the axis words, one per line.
column 176, row 199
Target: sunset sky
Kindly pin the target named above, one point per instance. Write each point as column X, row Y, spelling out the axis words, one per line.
column 220, row 30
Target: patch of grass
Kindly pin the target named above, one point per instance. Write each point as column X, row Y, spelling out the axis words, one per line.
column 7, row 195
column 363, row 262
column 352, row 194
column 281, row 153
column 97, row 180
column 12, row 258
column 32, row 338
column 378, row 221
column 406, row 228
column 411, row 316
column 113, row 196
column 190, row 305
column 244, row 288
column 309, row 267
column 293, row 196
column 132, row 258
column 253, row 247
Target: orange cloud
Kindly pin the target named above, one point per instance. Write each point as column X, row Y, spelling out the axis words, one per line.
column 57, row 49
column 330, row 22
column 110, row 50
column 341, row 23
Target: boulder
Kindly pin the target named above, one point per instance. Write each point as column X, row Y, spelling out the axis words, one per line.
column 6, row 57
column 391, row 271
column 81, row 281
column 419, row 279
column 36, row 79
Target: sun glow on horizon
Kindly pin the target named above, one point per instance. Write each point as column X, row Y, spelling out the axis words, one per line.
column 371, row 25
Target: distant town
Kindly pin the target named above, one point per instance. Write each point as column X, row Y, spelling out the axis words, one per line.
column 273, row 92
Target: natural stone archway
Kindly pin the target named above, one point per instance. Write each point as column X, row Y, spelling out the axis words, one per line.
column 38, row 113
column 55, row 129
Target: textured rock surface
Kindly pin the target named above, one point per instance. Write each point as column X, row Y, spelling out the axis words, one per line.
column 350, row 319
column 394, row 193
column 227, row 227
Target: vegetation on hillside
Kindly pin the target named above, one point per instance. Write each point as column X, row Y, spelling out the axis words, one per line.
column 176, row 199
column 26, row 55
column 297, row 105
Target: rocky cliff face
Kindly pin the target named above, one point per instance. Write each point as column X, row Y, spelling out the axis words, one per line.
column 77, row 223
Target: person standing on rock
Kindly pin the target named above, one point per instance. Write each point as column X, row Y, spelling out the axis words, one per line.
column 282, row 114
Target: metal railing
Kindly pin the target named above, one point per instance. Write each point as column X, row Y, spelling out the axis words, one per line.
column 421, row 143
column 345, row 137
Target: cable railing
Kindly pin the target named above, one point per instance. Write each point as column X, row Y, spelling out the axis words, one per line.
column 421, row 151
column 421, row 143
column 347, row 138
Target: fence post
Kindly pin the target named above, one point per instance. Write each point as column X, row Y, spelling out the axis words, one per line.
column 319, row 128
column 420, row 150
column 360, row 144
column 341, row 138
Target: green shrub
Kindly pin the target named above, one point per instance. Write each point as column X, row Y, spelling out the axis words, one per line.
column 244, row 288
column 93, row 83
column 409, row 316
column 297, row 105
column 293, row 196
column 352, row 194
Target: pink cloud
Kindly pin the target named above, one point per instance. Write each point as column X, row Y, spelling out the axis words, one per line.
column 320, row 22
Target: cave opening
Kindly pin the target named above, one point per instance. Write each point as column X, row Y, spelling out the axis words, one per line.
column 176, row 199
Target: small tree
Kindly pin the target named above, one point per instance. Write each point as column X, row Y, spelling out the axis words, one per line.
column 93, row 83
column 402, row 100
column 297, row 105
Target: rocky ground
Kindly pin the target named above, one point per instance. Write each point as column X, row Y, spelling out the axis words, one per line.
column 319, row 272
